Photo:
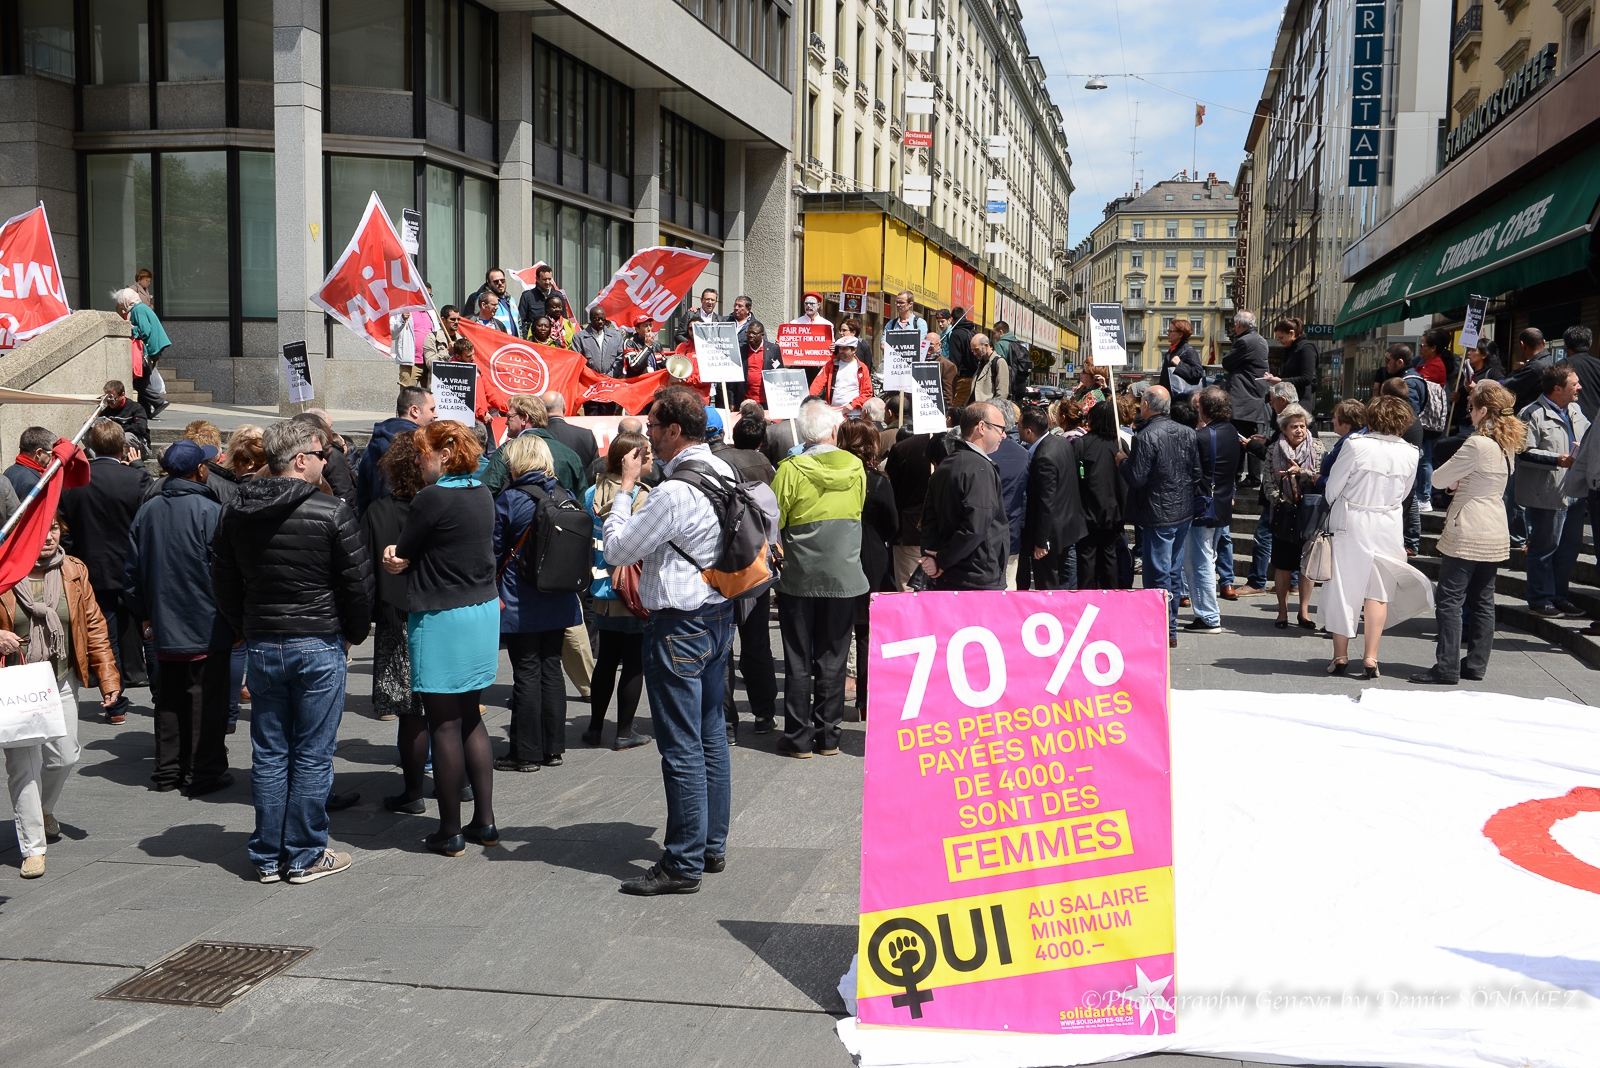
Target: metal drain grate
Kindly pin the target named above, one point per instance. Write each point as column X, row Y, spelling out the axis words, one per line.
column 212, row 975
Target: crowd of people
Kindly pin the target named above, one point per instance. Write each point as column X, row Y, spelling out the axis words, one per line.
column 248, row 572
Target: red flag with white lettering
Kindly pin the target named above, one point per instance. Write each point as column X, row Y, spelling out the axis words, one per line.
column 21, row 549
column 653, row 282
column 33, row 297
column 373, row 280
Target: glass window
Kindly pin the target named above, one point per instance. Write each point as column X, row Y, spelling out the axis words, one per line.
column 478, row 69
column 1197, row 294
column 194, row 234
column 1170, row 259
column 439, row 235
column 1172, row 228
column 571, row 81
column 255, row 41
column 1166, row 323
column 1197, row 259
column 367, row 44
column 544, row 231
column 439, row 54
column 119, row 225
column 47, row 39
column 570, row 263
column 477, row 236
column 1136, row 292
column 1232, row 258
column 594, row 255
column 258, row 234
column 619, row 246
column 351, row 182
column 545, row 121
column 1233, row 228
column 1200, row 228
column 1138, row 230
column 119, row 42
column 1169, row 292
column 194, row 40
column 1136, row 260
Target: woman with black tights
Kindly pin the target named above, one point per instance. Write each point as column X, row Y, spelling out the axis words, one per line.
column 532, row 624
column 621, row 632
column 1103, row 494
column 446, row 552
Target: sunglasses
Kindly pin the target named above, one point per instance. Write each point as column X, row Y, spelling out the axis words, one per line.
column 321, row 454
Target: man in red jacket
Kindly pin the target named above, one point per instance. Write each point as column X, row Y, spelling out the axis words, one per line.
column 845, row 382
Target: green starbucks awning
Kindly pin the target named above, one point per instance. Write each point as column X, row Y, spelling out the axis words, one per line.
column 1378, row 294
column 1536, row 234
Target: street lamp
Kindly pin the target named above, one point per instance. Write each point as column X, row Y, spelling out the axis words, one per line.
column 1095, row 82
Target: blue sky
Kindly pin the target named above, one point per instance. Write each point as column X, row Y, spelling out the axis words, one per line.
column 1158, row 39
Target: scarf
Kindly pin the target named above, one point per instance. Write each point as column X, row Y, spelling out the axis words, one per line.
column 47, row 642
column 1286, row 456
column 27, row 461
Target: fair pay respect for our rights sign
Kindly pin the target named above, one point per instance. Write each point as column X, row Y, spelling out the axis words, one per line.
column 1016, row 845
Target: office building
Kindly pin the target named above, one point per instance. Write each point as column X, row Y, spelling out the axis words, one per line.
column 231, row 146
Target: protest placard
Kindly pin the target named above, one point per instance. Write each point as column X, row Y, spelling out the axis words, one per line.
column 716, row 351
column 455, row 387
column 1106, row 339
column 784, row 388
column 297, row 371
column 927, row 396
column 805, row 344
column 1016, row 847
column 901, row 349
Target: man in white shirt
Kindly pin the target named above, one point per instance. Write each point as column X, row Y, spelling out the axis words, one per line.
column 811, row 309
column 686, row 640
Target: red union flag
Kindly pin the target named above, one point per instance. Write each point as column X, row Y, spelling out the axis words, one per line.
column 373, row 280
column 32, row 296
column 652, row 283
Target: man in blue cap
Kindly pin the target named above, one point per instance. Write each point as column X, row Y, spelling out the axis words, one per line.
column 167, row 585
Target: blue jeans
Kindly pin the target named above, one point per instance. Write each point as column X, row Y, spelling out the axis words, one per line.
column 1423, row 488
column 1163, row 566
column 1554, row 539
column 235, row 682
column 1225, row 556
column 297, row 698
column 1201, row 550
column 1261, row 554
column 686, row 672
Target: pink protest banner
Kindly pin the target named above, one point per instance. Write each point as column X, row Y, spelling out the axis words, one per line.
column 1016, row 840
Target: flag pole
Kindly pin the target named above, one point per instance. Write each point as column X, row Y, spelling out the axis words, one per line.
column 49, row 472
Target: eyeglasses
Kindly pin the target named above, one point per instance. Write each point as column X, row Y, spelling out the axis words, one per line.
column 996, row 426
column 321, row 454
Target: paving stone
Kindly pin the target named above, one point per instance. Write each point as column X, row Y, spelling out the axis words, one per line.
column 580, row 1033
column 287, row 1012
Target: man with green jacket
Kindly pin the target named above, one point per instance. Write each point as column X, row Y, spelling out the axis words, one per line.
column 528, row 415
column 820, row 493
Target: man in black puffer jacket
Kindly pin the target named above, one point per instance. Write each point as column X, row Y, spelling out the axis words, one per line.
column 290, row 574
column 1162, row 470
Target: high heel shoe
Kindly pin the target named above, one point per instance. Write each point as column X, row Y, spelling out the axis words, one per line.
column 485, row 835
column 1338, row 664
column 1369, row 670
column 452, row 846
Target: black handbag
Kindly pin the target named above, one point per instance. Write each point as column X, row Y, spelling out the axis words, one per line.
column 1313, row 516
column 1205, row 505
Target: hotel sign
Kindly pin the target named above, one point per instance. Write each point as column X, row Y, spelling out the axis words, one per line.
column 1502, row 102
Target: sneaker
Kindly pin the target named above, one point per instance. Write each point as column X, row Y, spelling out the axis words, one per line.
column 1200, row 626
column 511, row 764
column 331, row 864
column 33, row 867
column 659, row 880
column 52, row 828
column 268, row 875
column 115, row 720
column 1424, row 506
column 1570, row 610
column 1549, row 611
column 828, row 752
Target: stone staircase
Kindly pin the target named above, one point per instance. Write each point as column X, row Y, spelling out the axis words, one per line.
column 1511, row 583
column 181, row 390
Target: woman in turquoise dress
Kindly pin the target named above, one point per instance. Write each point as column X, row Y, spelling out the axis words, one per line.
column 446, row 552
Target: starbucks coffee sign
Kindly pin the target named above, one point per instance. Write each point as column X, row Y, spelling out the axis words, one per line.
column 1502, row 102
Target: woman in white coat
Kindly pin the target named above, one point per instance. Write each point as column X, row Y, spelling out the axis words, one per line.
column 1366, row 494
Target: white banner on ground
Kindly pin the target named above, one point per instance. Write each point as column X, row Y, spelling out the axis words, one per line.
column 716, row 350
column 1409, row 879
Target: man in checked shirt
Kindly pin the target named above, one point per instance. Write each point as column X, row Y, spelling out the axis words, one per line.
column 686, row 640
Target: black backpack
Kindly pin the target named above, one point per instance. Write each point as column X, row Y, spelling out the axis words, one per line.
column 561, row 558
column 747, row 562
column 1021, row 362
